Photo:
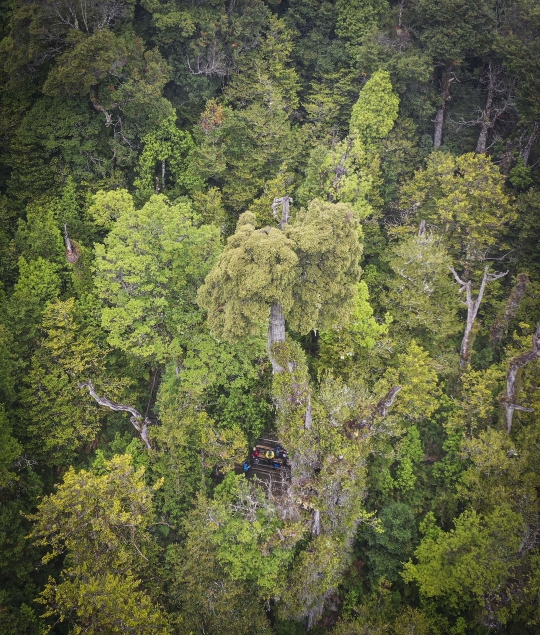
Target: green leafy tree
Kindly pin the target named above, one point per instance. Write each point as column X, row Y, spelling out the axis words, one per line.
column 470, row 564
column 100, row 520
column 464, row 199
column 310, row 270
column 163, row 163
column 147, row 274
column 422, row 295
column 349, row 170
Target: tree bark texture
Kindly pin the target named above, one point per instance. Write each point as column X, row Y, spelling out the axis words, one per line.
column 446, row 80
column 515, row 365
column 139, row 422
column 485, row 121
column 472, row 304
column 510, row 310
column 276, row 333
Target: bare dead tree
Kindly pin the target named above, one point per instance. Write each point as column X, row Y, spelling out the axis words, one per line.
column 472, row 304
column 100, row 108
column 510, row 310
column 516, row 364
column 212, row 62
column 284, row 201
column 380, row 411
column 139, row 422
column 384, row 405
column 308, row 420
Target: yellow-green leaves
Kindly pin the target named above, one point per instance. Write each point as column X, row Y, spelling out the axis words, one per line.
column 463, row 198
column 311, row 269
column 99, row 520
column 376, row 110
column 258, row 267
column 147, row 273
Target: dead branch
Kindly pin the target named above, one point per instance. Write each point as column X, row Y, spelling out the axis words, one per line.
column 379, row 411
column 139, row 422
column 72, row 253
column 515, row 365
column 384, row 405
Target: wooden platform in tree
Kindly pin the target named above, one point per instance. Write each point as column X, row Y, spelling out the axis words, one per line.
column 274, row 478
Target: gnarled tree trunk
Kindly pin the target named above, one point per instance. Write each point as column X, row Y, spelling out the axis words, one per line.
column 276, row 333
column 516, row 364
column 139, row 422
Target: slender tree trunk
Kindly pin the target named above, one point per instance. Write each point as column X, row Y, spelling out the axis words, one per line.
column 276, row 333
column 516, row 364
column 528, row 147
column 472, row 304
column 510, row 310
column 163, row 175
column 308, row 420
column 446, row 80
column 316, row 523
column 486, row 123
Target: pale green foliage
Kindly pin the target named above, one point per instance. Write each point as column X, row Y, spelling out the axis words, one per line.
column 103, row 604
column 326, row 239
column 265, row 75
column 471, row 562
column 99, row 518
column 62, row 417
column 422, row 293
column 209, row 601
column 317, row 573
column 209, row 206
column 463, row 198
column 147, row 273
column 478, row 403
column 349, row 170
column 246, row 528
column 311, row 269
column 409, row 452
column 38, row 284
column 500, row 467
column 107, row 207
column 258, row 267
column 375, row 112
column 414, row 370
column 39, row 235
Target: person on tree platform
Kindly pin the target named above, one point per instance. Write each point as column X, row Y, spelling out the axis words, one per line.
column 255, row 454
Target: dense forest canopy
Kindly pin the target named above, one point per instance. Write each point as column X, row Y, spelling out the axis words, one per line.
column 229, row 224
